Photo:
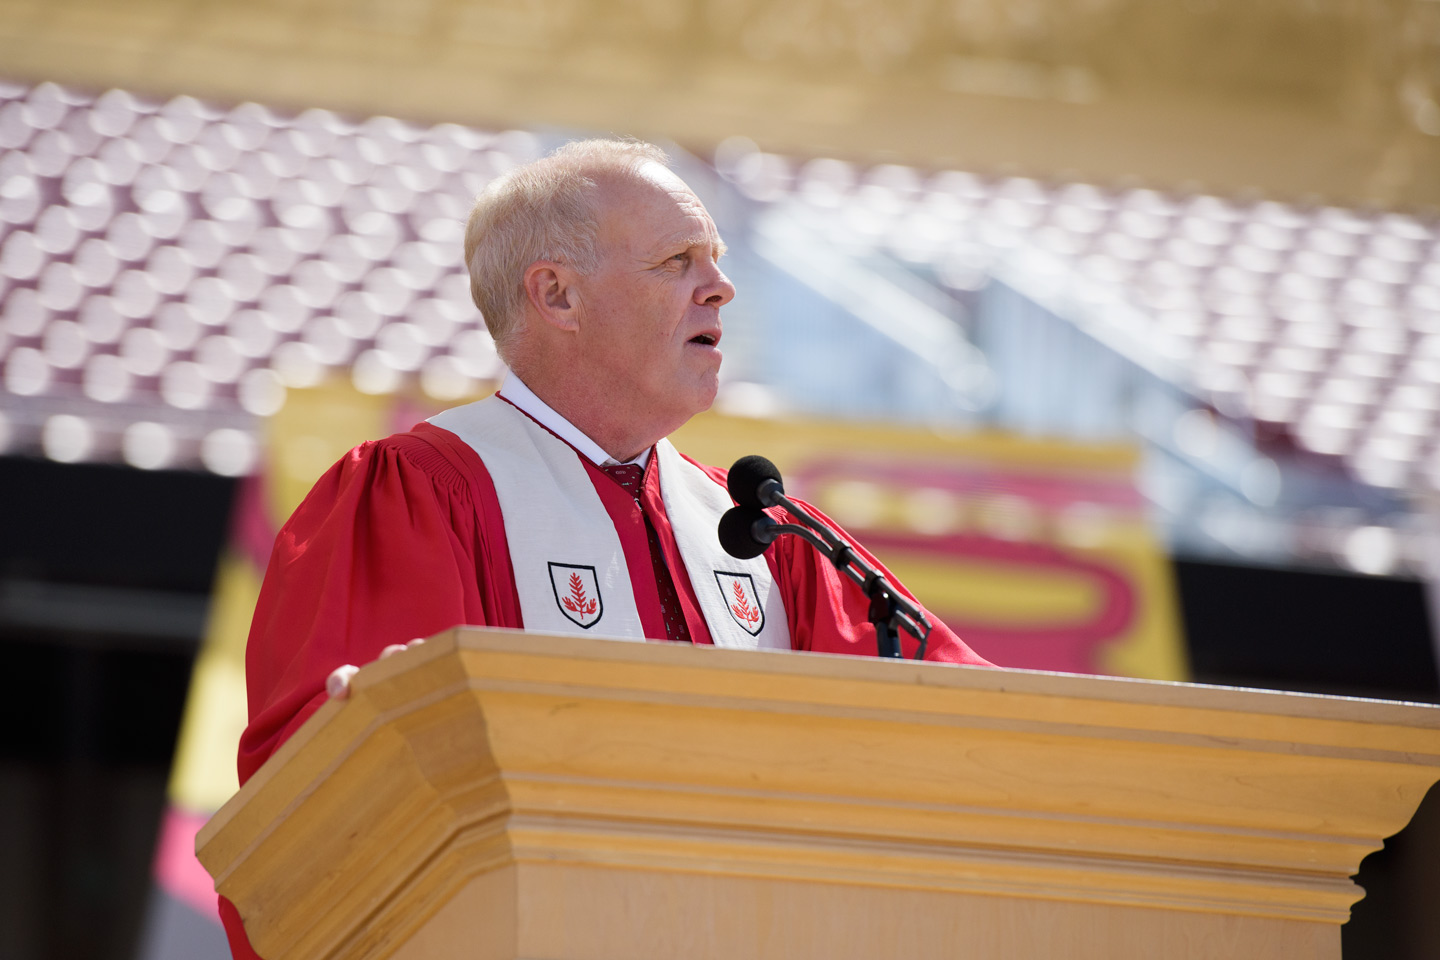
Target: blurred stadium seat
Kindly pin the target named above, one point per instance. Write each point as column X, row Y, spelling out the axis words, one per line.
column 169, row 269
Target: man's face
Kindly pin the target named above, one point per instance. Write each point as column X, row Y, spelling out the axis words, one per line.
column 652, row 306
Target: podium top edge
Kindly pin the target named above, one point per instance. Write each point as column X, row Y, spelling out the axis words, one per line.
column 1025, row 702
column 865, row 669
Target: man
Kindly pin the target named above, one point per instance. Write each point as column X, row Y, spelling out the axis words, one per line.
column 557, row 505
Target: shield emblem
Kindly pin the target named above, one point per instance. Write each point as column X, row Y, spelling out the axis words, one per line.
column 577, row 593
column 737, row 590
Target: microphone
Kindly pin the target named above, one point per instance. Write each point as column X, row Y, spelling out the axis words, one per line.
column 754, row 482
column 746, row 531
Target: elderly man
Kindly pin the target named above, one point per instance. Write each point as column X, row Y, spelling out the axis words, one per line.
column 557, row 505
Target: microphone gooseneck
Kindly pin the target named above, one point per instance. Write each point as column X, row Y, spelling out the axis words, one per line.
column 746, row 531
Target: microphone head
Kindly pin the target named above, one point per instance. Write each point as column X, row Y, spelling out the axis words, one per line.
column 745, row 478
column 737, row 532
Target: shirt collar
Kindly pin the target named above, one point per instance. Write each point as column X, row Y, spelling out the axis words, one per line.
column 514, row 390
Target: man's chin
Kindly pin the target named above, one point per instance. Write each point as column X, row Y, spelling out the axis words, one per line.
column 699, row 398
column 708, row 393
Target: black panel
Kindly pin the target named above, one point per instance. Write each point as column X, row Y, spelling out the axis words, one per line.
column 1398, row 919
column 1341, row 634
column 1307, row 630
column 84, row 702
column 86, row 740
column 104, row 571
column 111, row 525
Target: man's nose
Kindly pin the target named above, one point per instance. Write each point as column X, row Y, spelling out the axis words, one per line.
column 716, row 291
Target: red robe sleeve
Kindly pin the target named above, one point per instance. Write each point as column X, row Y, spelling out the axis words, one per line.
column 388, row 546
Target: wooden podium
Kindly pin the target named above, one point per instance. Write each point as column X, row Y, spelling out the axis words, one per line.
column 495, row 794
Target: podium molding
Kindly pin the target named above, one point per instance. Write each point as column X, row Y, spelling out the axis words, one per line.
column 496, row 794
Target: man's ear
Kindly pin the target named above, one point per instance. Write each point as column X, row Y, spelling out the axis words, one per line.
column 550, row 288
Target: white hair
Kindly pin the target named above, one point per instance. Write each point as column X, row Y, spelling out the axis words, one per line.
column 543, row 210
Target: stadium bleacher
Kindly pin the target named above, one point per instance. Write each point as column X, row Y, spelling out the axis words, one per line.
column 1321, row 321
column 169, row 269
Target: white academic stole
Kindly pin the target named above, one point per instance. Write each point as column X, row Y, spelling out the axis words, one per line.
column 570, row 569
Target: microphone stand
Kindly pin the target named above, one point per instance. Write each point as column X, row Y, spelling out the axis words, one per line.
column 890, row 611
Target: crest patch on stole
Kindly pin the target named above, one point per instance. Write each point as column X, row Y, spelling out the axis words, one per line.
column 577, row 593
column 738, row 592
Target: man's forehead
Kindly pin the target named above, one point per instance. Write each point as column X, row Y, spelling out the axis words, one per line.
column 662, row 176
column 651, row 184
column 653, row 206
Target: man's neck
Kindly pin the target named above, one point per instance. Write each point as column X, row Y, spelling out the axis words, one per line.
column 582, row 425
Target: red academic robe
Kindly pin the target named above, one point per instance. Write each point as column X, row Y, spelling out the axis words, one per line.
column 404, row 538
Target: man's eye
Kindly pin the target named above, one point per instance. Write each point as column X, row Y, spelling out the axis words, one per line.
column 680, row 256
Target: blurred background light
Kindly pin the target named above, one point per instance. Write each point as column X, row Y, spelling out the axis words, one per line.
column 229, row 452
column 148, row 445
column 67, row 438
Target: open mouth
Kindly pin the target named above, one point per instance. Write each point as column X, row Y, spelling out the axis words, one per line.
column 704, row 339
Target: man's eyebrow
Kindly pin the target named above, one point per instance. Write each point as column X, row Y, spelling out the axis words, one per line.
column 698, row 240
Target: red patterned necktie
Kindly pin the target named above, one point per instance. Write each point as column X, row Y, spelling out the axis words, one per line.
column 631, row 476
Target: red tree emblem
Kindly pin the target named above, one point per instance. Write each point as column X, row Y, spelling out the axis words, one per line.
column 577, row 603
column 742, row 609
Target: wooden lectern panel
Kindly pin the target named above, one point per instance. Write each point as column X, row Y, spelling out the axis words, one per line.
column 591, row 914
column 506, row 795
